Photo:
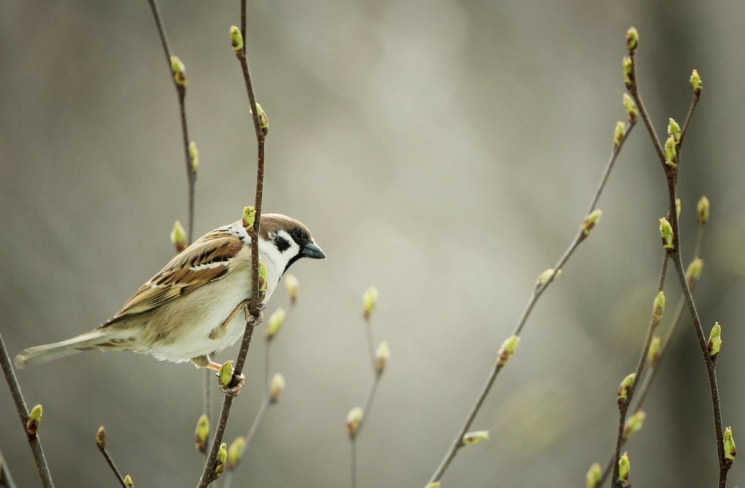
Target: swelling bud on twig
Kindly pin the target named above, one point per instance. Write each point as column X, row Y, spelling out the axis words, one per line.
column 276, row 387
column 34, row 420
column 594, row 475
column 225, row 375
column 628, row 73
column 730, row 451
column 633, row 424
column 354, row 419
column 235, row 451
column 101, row 438
column 262, row 280
column 128, row 481
column 547, row 276
column 696, row 83
column 275, row 323
column 715, row 341
column 658, row 308
column 236, row 39
column 202, row 433
column 677, row 208
column 178, row 70
column 655, row 351
column 702, row 209
column 591, row 221
column 194, row 156
column 249, row 218
column 263, row 119
column 435, row 484
column 291, row 286
column 369, row 300
column 632, row 39
column 471, row 438
column 382, row 354
column 671, row 152
column 618, row 133
column 631, row 111
column 693, row 273
column 673, row 129
column 623, row 389
column 624, row 468
column 666, row 233
column 222, row 456
column 178, row 237
column 507, row 350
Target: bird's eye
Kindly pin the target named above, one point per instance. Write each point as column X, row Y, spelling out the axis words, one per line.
column 298, row 235
column 281, row 243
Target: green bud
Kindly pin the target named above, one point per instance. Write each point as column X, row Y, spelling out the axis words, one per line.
column 178, row 71
column 547, row 276
column 291, row 285
column 618, row 133
column 262, row 280
column 263, row 119
column 673, row 129
column 632, row 39
column 101, row 438
column 382, row 354
column 631, row 111
column 249, row 218
column 235, row 451
column 655, row 351
column 702, row 209
column 369, row 300
column 507, row 350
column 194, row 156
column 715, row 340
column 677, row 208
column 34, row 420
column 275, row 323
column 658, row 309
column 624, row 467
column 730, row 451
column 671, row 152
column 354, row 419
column 276, row 387
column 225, row 376
column 696, row 83
column 633, row 424
column 666, row 232
column 202, row 433
column 693, row 273
column 222, row 456
column 128, row 481
column 624, row 387
column 594, row 475
column 435, row 484
column 628, row 72
column 592, row 220
column 178, row 237
column 236, row 39
column 471, row 438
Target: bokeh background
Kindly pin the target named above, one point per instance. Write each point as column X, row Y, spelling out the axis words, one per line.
column 444, row 151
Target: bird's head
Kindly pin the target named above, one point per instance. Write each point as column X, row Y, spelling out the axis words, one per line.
column 285, row 240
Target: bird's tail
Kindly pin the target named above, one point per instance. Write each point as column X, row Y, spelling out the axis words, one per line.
column 101, row 338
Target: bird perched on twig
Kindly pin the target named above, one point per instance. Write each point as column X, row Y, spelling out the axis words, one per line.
column 192, row 307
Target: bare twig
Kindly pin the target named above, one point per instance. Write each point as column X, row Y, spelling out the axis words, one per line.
column 6, row 480
column 33, row 439
column 208, row 472
column 535, row 295
column 101, row 444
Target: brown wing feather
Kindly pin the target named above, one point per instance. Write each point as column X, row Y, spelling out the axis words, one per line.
column 206, row 260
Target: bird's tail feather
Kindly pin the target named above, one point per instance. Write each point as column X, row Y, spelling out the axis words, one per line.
column 95, row 339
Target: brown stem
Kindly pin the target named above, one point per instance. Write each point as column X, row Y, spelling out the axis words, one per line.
column 33, row 440
column 6, row 480
column 457, row 442
column 112, row 465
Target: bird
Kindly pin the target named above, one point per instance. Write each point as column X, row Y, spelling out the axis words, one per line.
column 192, row 307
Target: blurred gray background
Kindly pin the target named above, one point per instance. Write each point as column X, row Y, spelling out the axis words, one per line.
column 444, row 151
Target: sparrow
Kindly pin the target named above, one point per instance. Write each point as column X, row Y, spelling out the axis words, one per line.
column 192, row 307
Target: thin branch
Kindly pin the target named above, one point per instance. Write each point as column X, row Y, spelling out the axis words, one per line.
column 634, row 90
column 101, row 443
column 6, row 480
column 208, row 472
column 33, row 440
column 535, row 295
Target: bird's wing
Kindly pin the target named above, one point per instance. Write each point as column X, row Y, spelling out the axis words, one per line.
column 206, row 260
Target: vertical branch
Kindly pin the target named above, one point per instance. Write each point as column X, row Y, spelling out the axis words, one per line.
column 33, row 439
column 208, row 474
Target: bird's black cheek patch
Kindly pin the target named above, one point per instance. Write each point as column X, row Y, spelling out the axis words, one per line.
column 281, row 243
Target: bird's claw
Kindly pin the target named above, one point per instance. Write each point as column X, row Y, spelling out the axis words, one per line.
column 235, row 386
column 254, row 320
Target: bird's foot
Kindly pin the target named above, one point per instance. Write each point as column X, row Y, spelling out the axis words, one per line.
column 235, row 386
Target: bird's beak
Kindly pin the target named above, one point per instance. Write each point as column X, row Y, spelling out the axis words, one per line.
column 311, row 250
